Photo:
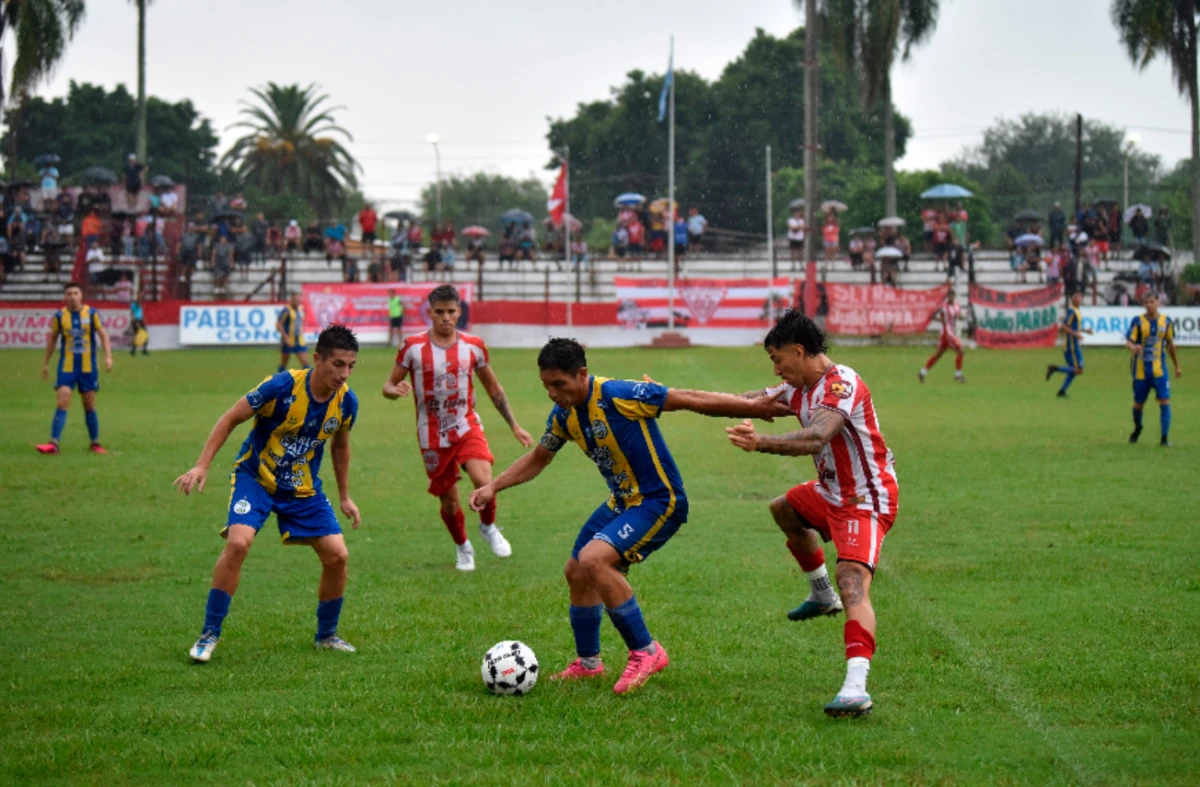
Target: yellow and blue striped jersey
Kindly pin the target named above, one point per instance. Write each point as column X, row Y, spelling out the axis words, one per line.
column 1072, row 321
column 1153, row 336
column 292, row 318
column 77, row 332
column 616, row 428
column 286, row 443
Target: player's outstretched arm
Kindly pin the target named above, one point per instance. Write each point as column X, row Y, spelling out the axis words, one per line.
column 803, row 442
column 396, row 386
column 233, row 417
column 766, row 406
column 527, row 468
column 341, row 471
column 496, row 392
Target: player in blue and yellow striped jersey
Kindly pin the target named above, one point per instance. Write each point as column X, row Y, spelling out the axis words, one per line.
column 614, row 423
column 277, row 471
column 75, row 329
column 1149, row 336
column 1072, row 326
column 290, row 325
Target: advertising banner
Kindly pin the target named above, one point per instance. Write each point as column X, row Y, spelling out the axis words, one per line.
column 363, row 307
column 247, row 324
column 1111, row 323
column 876, row 309
column 701, row 303
column 28, row 328
column 1024, row 318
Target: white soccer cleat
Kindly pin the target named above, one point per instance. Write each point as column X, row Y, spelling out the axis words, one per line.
column 335, row 643
column 202, row 651
column 496, row 540
column 466, row 557
column 921, row 374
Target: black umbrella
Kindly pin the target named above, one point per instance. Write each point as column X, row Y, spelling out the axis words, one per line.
column 400, row 215
column 1027, row 215
column 19, row 184
column 1151, row 248
column 516, row 216
column 46, row 159
column 226, row 213
column 1104, row 201
column 162, row 182
column 98, row 176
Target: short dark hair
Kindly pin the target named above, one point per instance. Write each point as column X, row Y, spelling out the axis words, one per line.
column 793, row 327
column 443, row 293
column 336, row 337
column 71, row 284
column 565, row 355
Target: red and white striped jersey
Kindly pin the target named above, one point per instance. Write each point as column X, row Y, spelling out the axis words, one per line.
column 950, row 313
column 855, row 468
column 443, row 386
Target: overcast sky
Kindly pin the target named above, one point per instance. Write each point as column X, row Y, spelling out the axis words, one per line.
column 485, row 75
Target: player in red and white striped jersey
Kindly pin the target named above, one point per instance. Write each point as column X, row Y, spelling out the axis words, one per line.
column 442, row 363
column 854, row 500
column 949, row 313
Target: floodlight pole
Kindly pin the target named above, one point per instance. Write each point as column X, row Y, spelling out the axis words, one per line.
column 671, row 199
column 812, row 87
column 770, row 221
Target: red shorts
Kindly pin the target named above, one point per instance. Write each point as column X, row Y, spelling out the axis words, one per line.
column 442, row 464
column 856, row 533
column 949, row 342
column 1101, row 246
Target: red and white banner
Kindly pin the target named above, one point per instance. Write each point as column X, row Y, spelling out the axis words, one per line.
column 364, row 307
column 701, row 303
column 28, row 328
column 557, row 204
column 876, row 309
column 1025, row 318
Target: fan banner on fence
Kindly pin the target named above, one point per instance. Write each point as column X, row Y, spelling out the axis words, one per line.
column 701, row 303
column 876, row 309
column 1110, row 323
column 363, row 307
column 28, row 328
column 1024, row 318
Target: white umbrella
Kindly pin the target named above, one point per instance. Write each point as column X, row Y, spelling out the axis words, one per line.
column 1029, row 239
column 892, row 221
column 888, row 252
column 834, row 205
column 1147, row 211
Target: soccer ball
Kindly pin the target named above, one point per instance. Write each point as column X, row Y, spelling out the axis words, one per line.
column 510, row 667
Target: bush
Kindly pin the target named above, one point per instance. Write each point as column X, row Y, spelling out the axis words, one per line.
column 1191, row 273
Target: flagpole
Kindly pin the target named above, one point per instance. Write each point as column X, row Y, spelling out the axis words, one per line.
column 771, row 243
column 671, row 197
column 567, row 216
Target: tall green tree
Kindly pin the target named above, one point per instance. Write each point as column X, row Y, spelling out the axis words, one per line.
column 868, row 37
column 481, row 198
column 140, row 148
column 1170, row 28
column 41, row 31
column 292, row 147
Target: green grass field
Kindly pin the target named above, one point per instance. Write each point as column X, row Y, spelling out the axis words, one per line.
column 1038, row 598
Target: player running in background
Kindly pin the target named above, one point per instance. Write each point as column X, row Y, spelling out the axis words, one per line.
column 75, row 328
column 853, row 502
column 443, row 362
column 948, row 313
column 295, row 414
column 290, row 325
column 1149, row 335
column 1072, row 327
column 614, row 423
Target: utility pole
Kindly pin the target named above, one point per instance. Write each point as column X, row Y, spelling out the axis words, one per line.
column 811, row 106
column 770, row 223
column 433, row 139
column 1078, row 164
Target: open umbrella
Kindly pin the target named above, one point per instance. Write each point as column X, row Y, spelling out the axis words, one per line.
column 400, row 215
column 162, row 182
column 19, row 184
column 516, row 216
column 1027, row 215
column 1105, row 201
column 227, row 213
column 891, row 221
column 796, row 204
column 1028, row 239
column 887, row 252
column 475, row 231
column 946, row 191
column 46, row 159
column 863, row 231
column 833, row 204
column 1150, row 248
column 98, row 176
column 1147, row 211
column 629, row 199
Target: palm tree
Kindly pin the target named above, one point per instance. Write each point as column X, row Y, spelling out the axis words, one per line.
column 868, row 36
column 290, row 148
column 140, row 147
column 41, row 31
column 1170, row 28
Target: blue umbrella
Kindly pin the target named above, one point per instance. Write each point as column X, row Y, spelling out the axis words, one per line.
column 629, row 200
column 516, row 216
column 46, row 159
column 947, row 191
column 1028, row 239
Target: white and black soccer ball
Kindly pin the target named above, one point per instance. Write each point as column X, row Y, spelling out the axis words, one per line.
column 510, row 667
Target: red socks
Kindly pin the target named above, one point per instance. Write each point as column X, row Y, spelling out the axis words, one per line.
column 457, row 526
column 488, row 515
column 958, row 362
column 859, row 641
column 808, row 562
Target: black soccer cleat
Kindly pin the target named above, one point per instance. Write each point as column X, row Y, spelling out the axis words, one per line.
column 1133, row 437
column 1062, row 394
column 1164, row 442
column 1050, row 370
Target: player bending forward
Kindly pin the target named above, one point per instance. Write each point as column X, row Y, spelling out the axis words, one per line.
column 1149, row 336
column 949, row 314
column 442, row 362
column 75, row 328
column 613, row 422
column 295, row 414
column 853, row 502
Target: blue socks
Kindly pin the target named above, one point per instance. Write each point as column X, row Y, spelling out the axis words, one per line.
column 56, row 426
column 1063, row 369
column 93, row 425
column 1067, row 382
column 1137, row 418
column 628, row 621
column 216, row 610
column 1164, row 418
column 327, row 618
column 585, row 622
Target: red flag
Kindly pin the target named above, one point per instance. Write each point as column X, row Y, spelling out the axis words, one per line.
column 558, row 198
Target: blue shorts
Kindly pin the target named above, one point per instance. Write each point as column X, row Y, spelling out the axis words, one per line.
column 85, row 381
column 1074, row 357
column 297, row 517
column 292, row 349
column 636, row 533
column 1160, row 385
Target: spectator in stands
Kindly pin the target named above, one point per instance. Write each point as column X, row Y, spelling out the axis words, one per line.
column 887, row 264
column 579, row 251
column 1056, row 261
column 313, row 240
column 855, row 249
column 133, row 181
column 905, row 246
column 274, row 240
column 658, row 234
column 368, row 221
column 168, row 203
column 1058, row 224
column 448, row 234
column 449, row 259
column 219, row 203
column 95, row 263
column 941, row 238
column 681, row 241
column 222, row 264
column 637, row 240
column 6, row 265
column 33, row 231
column 52, row 246
column 620, row 244
column 928, row 219
column 958, row 224
column 16, row 236
column 1139, row 226
column 416, row 237
column 1115, row 220
column 508, row 245
column 527, row 245
column 696, row 225
column 258, row 231
column 238, row 202
column 292, row 236
column 831, row 235
column 335, row 244
column 91, row 228
column 433, row 259
column 49, row 176
column 127, row 238
column 1162, row 226
column 795, row 234
column 869, row 244
column 1101, row 236
column 64, row 219
column 475, row 251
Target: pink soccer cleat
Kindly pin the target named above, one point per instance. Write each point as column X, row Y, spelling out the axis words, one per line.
column 47, row 448
column 576, row 671
column 640, row 667
column 96, row 448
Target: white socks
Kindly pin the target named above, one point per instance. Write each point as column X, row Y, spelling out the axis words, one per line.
column 487, row 530
column 856, row 677
column 818, row 582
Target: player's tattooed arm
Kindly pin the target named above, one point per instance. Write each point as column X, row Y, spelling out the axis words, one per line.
column 496, row 393
column 802, row 442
